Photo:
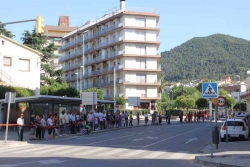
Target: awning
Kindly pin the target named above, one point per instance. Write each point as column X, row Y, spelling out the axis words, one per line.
column 53, row 100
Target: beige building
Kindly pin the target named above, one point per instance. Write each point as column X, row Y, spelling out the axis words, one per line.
column 123, row 42
column 247, row 95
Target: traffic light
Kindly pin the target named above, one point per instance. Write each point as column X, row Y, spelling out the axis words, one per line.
column 39, row 24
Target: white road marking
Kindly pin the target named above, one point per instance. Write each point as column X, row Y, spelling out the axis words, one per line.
column 71, row 150
column 33, row 149
column 111, row 152
column 177, row 155
column 154, row 155
column 190, row 140
column 92, row 150
column 133, row 153
column 53, row 149
column 171, row 137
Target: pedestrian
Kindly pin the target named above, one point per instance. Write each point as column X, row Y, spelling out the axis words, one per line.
column 38, row 128
column 138, row 117
column 146, row 118
column 126, row 118
column 61, row 123
column 32, row 126
column 66, row 123
column 181, row 116
column 123, row 118
column 130, row 119
column 50, row 126
column 44, row 125
column 160, row 118
column 90, row 119
column 169, row 117
column 55, row 124
column 20, row 123
column 72, row 119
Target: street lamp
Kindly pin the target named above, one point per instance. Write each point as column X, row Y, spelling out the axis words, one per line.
column 81, row 80
column 239, row 93
column 114, row 93
column 76, row 81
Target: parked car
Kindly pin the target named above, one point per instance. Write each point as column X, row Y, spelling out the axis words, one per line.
column 246, row 121
column 237, row 128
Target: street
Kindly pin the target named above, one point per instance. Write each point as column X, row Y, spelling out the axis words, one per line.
column 169, row 145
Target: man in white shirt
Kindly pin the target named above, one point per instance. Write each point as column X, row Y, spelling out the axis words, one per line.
column 66, row 122
column 20, row 123
column 72, row 118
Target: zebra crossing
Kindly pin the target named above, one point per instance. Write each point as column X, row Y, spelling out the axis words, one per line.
column 92, row 151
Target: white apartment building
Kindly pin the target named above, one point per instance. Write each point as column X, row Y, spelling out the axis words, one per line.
column 19, row 65
column 123, row 41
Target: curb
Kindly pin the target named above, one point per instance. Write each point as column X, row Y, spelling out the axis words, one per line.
column 199, row 161
column 13, row 143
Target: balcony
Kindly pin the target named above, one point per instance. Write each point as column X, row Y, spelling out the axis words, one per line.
column 103, row 31
column 102, row 71
column 70, row 56
column 141, row 82
column 72, row 66
column 103, row 44
column 142, row 96
column 70, row 44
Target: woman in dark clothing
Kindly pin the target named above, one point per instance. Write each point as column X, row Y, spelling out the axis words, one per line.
column 39, row 128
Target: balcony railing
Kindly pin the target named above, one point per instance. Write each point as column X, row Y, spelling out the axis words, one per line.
column 103, row 70
column 142, row 81
column 103, row 44
column 69, row 44
column 103, row 31
column 73, row 66
column 143, row 95
column 71, row 55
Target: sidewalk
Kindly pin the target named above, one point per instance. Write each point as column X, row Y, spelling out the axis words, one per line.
column 12, row 134
column 231, row 154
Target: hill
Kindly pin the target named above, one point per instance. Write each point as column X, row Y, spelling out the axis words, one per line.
column 210, row 57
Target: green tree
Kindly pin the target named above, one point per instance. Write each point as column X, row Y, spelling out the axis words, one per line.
column 98, row 90
column 40, row 43
column 5, row 32
column 201, row 103
column 162, row 86
column 120, row 100
column 186, row 102
column 59, row 89
column 230, row 100
column 20, row 92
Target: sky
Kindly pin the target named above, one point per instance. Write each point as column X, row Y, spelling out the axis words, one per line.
column 180, row 20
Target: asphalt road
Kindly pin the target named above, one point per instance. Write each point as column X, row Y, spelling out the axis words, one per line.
column 159, row 145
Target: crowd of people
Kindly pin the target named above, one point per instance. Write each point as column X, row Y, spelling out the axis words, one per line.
column 70, row 122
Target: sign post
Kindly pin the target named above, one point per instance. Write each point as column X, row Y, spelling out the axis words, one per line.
column 222, row 103
column 210, row 91
column 9, row 98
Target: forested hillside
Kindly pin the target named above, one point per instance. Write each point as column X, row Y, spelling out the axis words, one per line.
column 209, row 57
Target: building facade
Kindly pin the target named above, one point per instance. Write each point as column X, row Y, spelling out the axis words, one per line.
column 116, row 52
column 19, row 65
column 55, row 34
column 246, row 96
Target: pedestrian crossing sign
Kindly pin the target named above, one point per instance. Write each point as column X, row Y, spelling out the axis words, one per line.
column 210, row 90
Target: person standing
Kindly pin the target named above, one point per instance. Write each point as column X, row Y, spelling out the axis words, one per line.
column 126, row 118
column 130, row 119
column 38, row 128
column 66, row 123
column 44, row 125
column 169, row 117
column 181, row 116
column 61, row 123
column 50, row 126
column 146, row 118
column 20, row 123
column 33, row 127
column 90, row 119
column 138, row 118
column 72, row 118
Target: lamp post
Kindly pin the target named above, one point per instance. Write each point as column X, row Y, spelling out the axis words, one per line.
column 81, row 81
column 114, row 93
column 76, row 81
column 239, row 93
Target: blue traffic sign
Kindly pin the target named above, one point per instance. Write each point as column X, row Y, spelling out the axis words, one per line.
column 210, row 90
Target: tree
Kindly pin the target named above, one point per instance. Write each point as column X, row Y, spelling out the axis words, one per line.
column 120, row 100
column 20, row 92
column 59, row 89
column 39, row 42
column 5, row 32
column 187, row 103
column 201, row 103
column 162, row 86
column 230, row 100
column 98, row 90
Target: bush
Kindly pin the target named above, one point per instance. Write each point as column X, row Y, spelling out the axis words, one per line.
column 20, row 92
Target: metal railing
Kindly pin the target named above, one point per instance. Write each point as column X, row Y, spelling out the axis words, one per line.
column 7, row 79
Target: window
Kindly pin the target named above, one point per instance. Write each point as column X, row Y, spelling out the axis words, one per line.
column 7, row 61
column 24, row 65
